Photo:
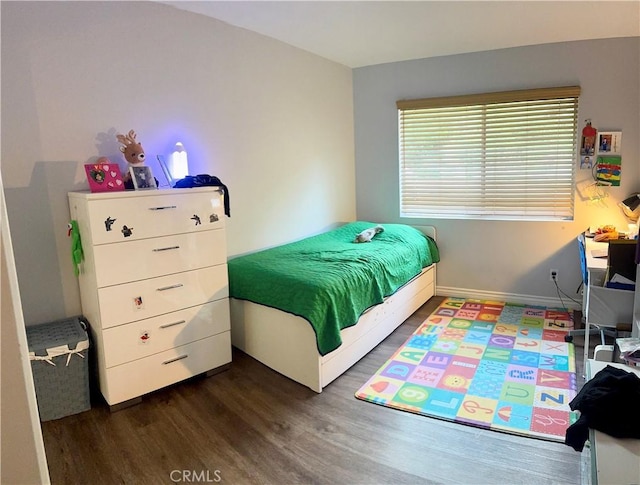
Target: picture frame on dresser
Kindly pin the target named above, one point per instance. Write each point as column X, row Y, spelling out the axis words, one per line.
column 142, row 178
column 104, row 177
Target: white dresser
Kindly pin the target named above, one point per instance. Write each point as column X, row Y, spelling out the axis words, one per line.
column 154, row 286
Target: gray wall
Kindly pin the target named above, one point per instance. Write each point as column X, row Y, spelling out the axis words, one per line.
column 273, row 122
column 502, row 259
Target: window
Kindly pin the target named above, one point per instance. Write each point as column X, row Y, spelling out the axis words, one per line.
column 508, row 155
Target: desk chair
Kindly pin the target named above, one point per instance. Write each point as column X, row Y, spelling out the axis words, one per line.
column 602, row 350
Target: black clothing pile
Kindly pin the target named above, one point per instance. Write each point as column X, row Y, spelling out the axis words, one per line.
column 204, row 180
column 609, row 403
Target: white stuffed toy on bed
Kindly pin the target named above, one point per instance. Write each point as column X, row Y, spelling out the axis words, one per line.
column 368, row 234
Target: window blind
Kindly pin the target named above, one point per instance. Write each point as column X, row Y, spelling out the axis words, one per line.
column 508, row 155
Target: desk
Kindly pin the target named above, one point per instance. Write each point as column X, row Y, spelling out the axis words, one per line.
column 604, row 307
column 613, row 461
column 596, row 264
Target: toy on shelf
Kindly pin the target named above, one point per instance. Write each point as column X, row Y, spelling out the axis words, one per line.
column 133, row 154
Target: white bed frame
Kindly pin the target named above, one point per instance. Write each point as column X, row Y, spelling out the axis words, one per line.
column 287, row 343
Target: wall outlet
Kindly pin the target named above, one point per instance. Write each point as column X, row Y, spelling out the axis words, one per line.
column 553, row 275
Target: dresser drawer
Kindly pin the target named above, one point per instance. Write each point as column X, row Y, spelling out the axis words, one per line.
column 136, row 340
column 149, row 298
column 125, row 219
column 133, row 379
column 148, row 258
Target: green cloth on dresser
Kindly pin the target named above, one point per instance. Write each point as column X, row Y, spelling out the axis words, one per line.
column 328, row 279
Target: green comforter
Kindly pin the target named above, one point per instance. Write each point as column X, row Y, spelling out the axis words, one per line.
column 328, row 279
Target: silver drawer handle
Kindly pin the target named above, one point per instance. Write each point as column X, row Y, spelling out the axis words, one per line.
column 165, row 249
column 162, row 207
column 164, row 288
column 167, row 325
column 175, row 360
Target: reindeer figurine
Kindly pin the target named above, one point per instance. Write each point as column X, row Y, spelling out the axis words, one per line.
column 133, row 154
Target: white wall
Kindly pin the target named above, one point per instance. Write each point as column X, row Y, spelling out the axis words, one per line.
column 500, row 258
column 273, row 122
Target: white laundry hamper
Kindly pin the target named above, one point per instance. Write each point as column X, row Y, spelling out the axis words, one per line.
column 59, row 354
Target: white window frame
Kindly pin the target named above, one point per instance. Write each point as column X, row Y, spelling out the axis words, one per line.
column 508, row 155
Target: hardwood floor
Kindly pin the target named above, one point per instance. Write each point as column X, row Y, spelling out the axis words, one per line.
column 250, row 425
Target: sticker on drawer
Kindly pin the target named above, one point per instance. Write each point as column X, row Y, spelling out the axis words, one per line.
column 108, row 223
column 138, row 303
column 198, row 221
column 144, row 337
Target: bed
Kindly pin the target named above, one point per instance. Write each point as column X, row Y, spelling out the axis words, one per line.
column 312, row 308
